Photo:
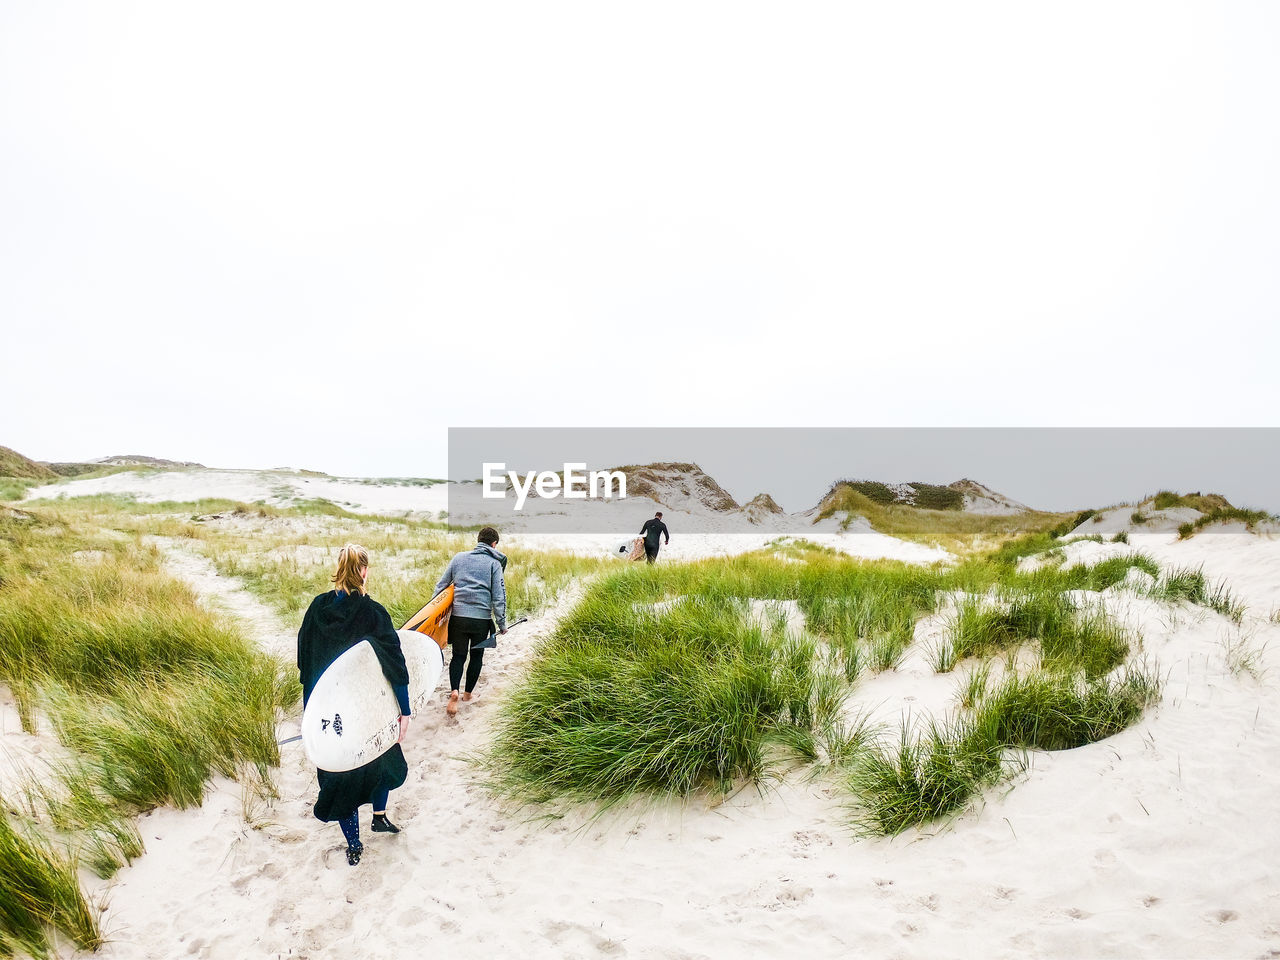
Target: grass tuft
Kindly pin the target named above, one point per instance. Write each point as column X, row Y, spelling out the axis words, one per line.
column 937, row 773
column 1050, row 711
column 923, row 777
column 41, row 895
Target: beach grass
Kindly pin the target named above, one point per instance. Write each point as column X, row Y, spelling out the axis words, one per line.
column 624, row 701
column 68, row 796
column 924, row 776
column 1068, row 638
column 938, row 771
column 1250, row 518
column 407, row 559
column 676, row 679
column 153, row 694
column 956, row 530
column 1055, row 711
column 1189, row 584
column 41, row 895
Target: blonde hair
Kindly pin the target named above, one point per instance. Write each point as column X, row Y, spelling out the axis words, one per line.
column 350, row 559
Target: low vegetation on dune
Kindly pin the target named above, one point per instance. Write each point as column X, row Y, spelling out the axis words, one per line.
column 938, row 771
column 407, row 559
column 1250, row 518
column 18, row 473
column 41, row 893
column 14, row 464
column 151, row 693
column 1213, row 508
column 1204, row 502
column 932, row 522
column 703, row 676
column 925, row 496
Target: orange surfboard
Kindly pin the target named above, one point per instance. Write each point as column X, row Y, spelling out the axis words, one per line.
column 433, row 619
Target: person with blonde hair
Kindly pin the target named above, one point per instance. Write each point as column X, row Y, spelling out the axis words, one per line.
column 335, row 622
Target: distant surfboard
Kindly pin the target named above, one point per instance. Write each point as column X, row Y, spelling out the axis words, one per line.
column 352, row 716
column 631, row 548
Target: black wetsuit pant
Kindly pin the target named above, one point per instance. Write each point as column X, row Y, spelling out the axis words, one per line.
column 651, row 551
column 464, row 632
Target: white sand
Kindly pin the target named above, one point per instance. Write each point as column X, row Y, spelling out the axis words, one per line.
column 1159, row 842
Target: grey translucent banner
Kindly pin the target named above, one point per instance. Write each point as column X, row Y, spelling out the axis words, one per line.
column 796, row 481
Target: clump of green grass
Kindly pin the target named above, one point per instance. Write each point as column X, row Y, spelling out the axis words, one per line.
column 937, row 773
column 153, row 742
column 1138, row 518
column 659, row 682
column 1121, row 537
column 15, row 488
column 41, row 894
column 1053, row 711
column 1190, row 584
column 673, row 702
column 1204, row 502
column 1184, row 583
column 1250, row 518
column 975, row 686
column 1107, row 573
column 71, row 798
column 871, row 627
column 923, row 777
column 1091, row 643
column 1068, row 639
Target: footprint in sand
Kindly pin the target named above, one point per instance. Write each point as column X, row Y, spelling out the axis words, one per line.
column 1222, row 916
column 284, row 914
column 931, row 902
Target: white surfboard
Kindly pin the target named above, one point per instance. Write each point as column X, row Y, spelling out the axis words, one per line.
column 352, row 715
column 623, row 549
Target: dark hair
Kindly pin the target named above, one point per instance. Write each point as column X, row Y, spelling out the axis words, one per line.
column 658, row 514
column 488, row 535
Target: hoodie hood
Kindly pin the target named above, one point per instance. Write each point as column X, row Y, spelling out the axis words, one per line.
column 485, row 550
column 341, row 612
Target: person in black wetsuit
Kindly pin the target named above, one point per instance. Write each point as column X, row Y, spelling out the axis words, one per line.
column 335, row 622
column 651, row 531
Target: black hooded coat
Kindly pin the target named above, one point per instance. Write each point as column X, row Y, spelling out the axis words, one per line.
column 334, row 623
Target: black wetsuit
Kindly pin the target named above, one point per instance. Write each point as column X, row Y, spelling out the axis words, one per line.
column 651, row 531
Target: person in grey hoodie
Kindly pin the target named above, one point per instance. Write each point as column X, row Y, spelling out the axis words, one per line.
column 479, row 598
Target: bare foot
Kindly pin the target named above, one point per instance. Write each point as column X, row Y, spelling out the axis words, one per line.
column 452, row 707
column 466, row 697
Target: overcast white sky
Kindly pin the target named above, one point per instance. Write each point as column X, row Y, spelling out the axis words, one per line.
column 261, row 234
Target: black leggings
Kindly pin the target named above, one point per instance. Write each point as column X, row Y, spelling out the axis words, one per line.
column 463, row 633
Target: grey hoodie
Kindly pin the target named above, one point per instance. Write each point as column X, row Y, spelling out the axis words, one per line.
column 478, row 588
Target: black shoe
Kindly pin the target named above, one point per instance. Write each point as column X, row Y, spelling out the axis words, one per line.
column 382, row 825
column 353, row 853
